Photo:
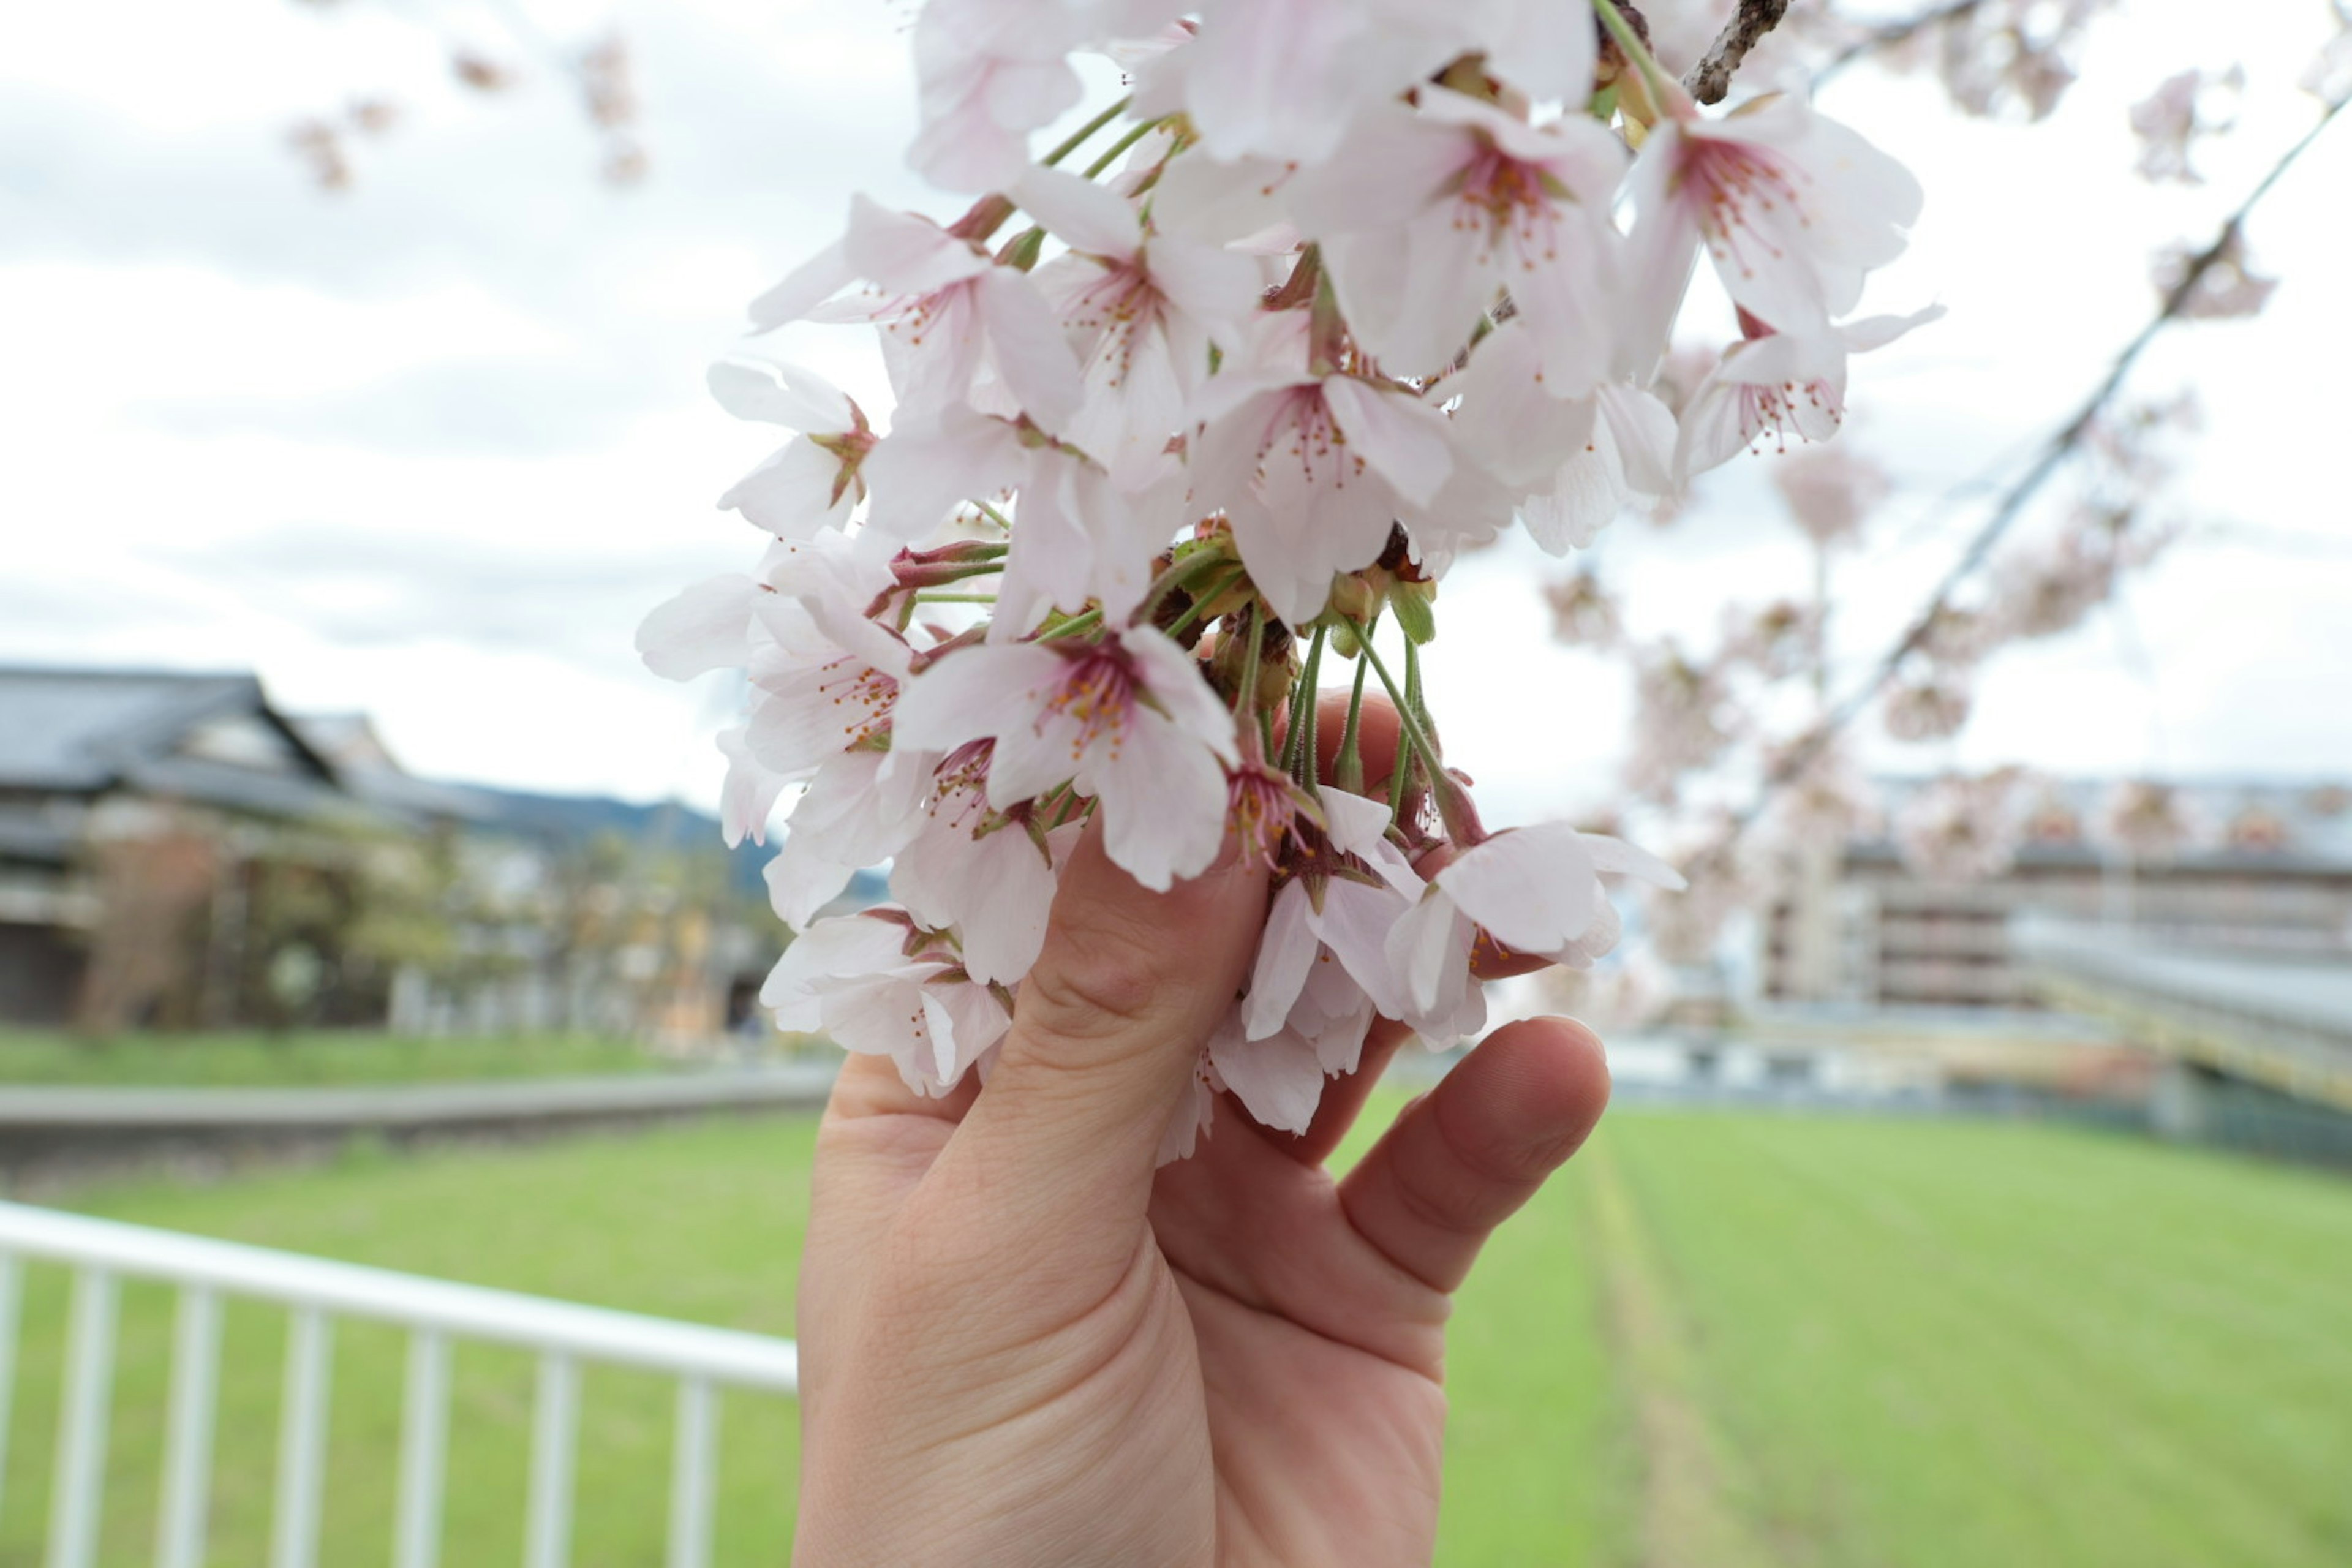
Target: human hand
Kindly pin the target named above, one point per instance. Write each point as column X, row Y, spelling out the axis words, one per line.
column 1022, row 1345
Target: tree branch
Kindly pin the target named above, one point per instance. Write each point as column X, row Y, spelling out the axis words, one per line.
column 2013, row 500
column 1710, row 79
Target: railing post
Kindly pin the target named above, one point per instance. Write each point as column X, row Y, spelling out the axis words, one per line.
column 81, row 1423
column 188, row 1441
column 424, row 1448
column 12, row 1288
column 693, row 1471
column 547, row 1538
column 303, row 1440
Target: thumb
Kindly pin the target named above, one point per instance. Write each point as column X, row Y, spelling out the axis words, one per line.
column 1105, row 1035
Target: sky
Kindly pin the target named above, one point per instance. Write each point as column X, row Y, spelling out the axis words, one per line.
column 430, row 447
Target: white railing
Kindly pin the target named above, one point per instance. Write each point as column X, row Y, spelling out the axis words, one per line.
column 562, row 1333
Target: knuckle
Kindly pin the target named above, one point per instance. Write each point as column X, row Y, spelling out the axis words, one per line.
column 1096, row 983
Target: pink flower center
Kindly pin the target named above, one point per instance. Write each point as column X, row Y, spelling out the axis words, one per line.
column 1259, row 806
column 1124, row 305
column 1300, row 429
column 1505, row 197
column 1097, row 697
column 863, row 694
column 1732, row 187
column 1780, row 411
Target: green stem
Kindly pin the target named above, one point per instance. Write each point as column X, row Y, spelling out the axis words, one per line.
column 1347, row 772
column 1663, row 90
column 1134, row 133
column 1302, row 748
column 1078, row 138
column 1083, row 620
column 1202, row 601
column 1408, row 721
column 929, row 598
column 1246, row 694
column 995, row 516
column 1180, row 575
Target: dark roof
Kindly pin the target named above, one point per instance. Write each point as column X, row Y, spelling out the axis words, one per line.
column 82, row 732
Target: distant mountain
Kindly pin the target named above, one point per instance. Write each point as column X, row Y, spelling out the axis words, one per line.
column 571, row 817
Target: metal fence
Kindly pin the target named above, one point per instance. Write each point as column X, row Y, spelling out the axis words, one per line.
column 316, row 1292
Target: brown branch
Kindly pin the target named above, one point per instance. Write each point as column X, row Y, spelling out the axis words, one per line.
column 1710, row 79
column 2013, row 500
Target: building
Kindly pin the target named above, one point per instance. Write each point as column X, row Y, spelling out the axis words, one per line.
column 2265, row 863
column 176, row 852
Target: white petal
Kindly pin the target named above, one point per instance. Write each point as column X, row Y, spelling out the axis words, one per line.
column 905, row 254
column 778, row 394
column 1032, row 355
column 1172, row 677
column 973, row 694
column 1532, row 887
column 1163, row 798
column 1397, row 434
column 806, row 286
column 1285, row 956
column 1425, row 943
column 1079, row 213
column 1279, row 1080
column 704, row 627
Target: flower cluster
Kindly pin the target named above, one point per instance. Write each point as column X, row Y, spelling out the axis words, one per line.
column 1354, row 287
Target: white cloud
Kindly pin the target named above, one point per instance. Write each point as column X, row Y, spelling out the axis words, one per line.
column 430, row 448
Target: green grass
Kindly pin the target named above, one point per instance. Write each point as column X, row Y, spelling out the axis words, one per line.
column 702, row 1222
column 244, row 1060
column 1718, row 1339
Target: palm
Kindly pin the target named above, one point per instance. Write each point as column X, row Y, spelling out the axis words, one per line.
column 1321, row 1361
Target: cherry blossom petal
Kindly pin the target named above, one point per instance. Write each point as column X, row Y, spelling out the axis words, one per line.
column 707, row 627
column 1533, row 888
column 1278, row 1080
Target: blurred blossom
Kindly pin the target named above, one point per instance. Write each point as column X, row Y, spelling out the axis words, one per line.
column 2170, row 121
column 2329, row 77
column 1778, row 640
column 321, row 147
column 2147, row 821
column 480, row 72
column 1962, row 828
column 1686, row 928
column 2259, row 830
column 1959, row 636
column 2053, row 821
column 1928, row 710
column 1583, row 614
column 2001, row 56
column 1678, row 721
column 2044, row 590
column 1827, row 801
column 2227, row 288
column 1829, row 489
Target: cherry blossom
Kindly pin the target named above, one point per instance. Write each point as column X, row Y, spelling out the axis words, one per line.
column 1186, row 417
column 1143, row 311
column 1792, row 207
column 887, row 987
column 1312, row 473
column 1427, row 214
column 948, row 310
column 811, row 482
column 1127, row 720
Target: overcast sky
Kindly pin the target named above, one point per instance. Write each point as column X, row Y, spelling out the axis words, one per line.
column 431, row 447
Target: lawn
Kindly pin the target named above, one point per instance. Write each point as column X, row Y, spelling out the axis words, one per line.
column 1721, row 1340
column 224, row 1060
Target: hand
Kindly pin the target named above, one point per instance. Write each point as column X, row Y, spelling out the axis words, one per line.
column 1021, row 1346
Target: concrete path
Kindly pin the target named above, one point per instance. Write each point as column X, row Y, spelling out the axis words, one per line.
column 42, row 1124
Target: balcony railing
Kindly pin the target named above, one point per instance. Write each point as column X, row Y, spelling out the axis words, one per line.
column 316, row 1292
